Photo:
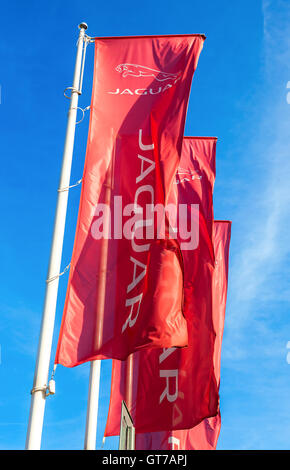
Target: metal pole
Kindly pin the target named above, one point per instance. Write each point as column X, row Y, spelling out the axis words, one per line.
column 129, row 382
column 35, row 425
column 93, row 406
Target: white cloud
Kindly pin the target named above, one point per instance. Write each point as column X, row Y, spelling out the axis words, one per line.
column 259, row 268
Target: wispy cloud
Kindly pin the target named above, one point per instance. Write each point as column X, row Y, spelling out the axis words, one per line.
column 260, row 268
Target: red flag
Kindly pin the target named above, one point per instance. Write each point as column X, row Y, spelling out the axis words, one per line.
column 205, row 435
column 176, row 388
column 117, row 298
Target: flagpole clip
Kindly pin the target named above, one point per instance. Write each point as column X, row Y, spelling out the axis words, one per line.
column 38, row 389
column 71, row 186
column 83, row 110
column 73, row 90
column 58, row 275
column 46, row 389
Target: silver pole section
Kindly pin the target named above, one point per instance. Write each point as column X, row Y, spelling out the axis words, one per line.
column 35, row 425
column 93, row 406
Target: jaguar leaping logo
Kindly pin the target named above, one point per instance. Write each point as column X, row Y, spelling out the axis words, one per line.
column 134, row 70
column 183, row 175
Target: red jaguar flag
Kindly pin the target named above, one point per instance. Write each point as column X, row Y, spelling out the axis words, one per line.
column 175, row 388
column 118, row 299
column 205, row 435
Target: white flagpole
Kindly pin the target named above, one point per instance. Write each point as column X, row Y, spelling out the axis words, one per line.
column 93, row 406
column 38, row 393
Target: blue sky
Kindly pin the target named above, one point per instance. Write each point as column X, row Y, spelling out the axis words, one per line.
column 239, row 95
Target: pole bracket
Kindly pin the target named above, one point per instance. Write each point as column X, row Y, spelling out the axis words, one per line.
column 71, row 186
column 73, row 90
column 83, row 110
column 46, row 389
column 38, row 389
column 58, row 275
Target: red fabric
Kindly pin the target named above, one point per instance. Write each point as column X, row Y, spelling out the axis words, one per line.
column 139, row 102
column 205, row 435
column 176, row 388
